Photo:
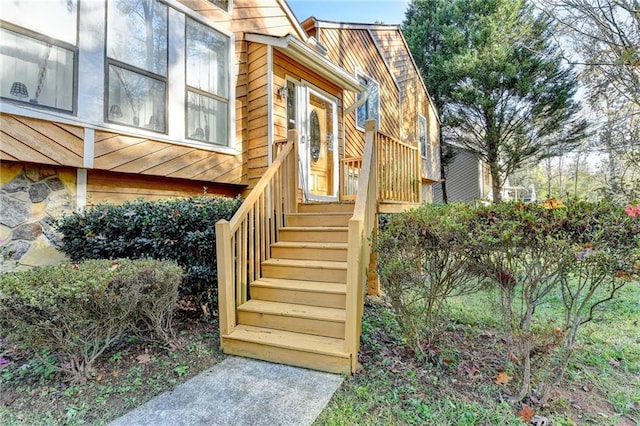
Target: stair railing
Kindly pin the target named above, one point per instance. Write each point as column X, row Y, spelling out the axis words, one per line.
column 399, row 170
column 361, row 226
column 244, row 242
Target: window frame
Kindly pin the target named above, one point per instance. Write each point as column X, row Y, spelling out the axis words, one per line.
column 108, row 61
column 361, row 74
column 424, row 153
column 227, row 10
column 204, row 93
column 28, row 33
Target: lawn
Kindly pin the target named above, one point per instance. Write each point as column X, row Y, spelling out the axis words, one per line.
column 454, row 386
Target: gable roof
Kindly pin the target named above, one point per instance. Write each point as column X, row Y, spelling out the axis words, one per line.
column 390, row 42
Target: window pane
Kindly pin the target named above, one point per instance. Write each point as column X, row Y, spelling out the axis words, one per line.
column 422, row 134
column 206, row 59
column 222, row 4
column 137, row 34
column 54, row 18
column 291, row 105
column 373, row 101
column 207, row 119
column 36, row 72
column 136, row 100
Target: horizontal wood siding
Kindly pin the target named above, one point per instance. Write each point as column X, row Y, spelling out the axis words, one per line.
column 128, row 154
column 118, row 187
column 39, row 141
column 355, row 50
column 257, row 111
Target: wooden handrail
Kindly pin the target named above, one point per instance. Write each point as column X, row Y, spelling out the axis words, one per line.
column 361, row 226
column 244, row 242
column 399, row 166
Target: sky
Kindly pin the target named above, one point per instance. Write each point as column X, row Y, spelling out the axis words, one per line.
column 361, row 11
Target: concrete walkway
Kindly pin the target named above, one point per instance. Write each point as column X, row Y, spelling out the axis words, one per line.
column 240, row 391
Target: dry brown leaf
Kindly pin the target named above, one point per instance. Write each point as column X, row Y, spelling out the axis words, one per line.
column 502, row 378
column 99, row 377
column 143, row 358
column 526, row 413
column 514, row 359
column 115, row 373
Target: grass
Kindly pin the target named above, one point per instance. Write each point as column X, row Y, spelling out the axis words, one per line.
column 128, row 376
column 456, row 386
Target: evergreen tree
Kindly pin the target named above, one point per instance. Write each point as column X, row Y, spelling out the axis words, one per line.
column 497, row 79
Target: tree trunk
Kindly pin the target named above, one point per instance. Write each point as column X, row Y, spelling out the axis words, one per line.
column 496, row 186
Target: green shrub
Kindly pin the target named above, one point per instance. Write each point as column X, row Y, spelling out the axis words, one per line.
column 179, row 229
column 77, row 311
column 420, row 265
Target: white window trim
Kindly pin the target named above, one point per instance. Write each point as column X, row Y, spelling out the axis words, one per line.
column 229, row 7
column 360, row 73
column 426, row 135
column 90, row 85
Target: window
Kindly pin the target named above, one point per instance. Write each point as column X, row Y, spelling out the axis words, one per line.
column 422, row 135
column 207, row 84
column 222, row 4
column 370, row 110
column 137, row 63
column 38, row 53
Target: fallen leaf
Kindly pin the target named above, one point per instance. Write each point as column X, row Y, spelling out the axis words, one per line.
column 473, row 371
column 115, row 373
column 587, row 388
column 614, row 363
column 502, row 378
column 514, row 359
column 447, row 361
column 99, row 378
column 526, row 413
column 143, row 358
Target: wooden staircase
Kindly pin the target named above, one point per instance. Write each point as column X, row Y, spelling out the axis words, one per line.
column 296, row 310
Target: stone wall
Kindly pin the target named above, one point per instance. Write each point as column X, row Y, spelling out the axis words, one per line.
column 30, row 196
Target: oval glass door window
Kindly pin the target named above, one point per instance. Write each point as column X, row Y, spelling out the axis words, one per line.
column 314, row 136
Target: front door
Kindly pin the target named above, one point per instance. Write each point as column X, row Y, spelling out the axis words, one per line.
column 316, row 120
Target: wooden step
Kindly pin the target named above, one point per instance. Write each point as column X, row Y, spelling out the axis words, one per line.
column 285, row 347
column 309, row 250
column 345, row 207
column 329, row 234
column 318, row 219
column 317, row 320
column 316, row 293
column 305, row 270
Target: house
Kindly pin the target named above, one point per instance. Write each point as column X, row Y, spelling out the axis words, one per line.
column 467, row 178
column 397, row 98
column 119, row 99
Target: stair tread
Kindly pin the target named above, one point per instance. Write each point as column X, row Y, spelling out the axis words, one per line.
column 310, row 244
column 290, row 340
column 311, row 286
column 326, row 264
column 294, row 310
column 311, row 214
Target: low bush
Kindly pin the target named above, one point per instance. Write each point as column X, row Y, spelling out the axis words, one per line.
column 178, row 229
column 420, row 265
column 74, row 312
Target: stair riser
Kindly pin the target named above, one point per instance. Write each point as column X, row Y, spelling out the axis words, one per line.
column 293, row 357
column 318, row 220
column 302, row 253
column 288, row 323
column 326, row 207
column 313, row 236
column 299, row 297
column 308, row 274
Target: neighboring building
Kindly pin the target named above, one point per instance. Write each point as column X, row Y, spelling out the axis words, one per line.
column 467, row 179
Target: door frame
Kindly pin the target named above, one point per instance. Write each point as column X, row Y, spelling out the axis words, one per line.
column 304, row 89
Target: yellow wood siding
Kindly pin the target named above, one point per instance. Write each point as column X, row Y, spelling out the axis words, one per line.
column 355, row 50
column 39, row 141
column 257, row 104
column 117, row 187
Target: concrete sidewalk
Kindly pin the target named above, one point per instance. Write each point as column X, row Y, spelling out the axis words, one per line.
column 240, row 391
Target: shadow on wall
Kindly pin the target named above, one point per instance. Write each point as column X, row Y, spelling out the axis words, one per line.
column 30, row 196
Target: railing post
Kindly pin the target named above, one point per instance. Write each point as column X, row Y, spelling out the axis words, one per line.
column 292, row 135
column 352, row 320
column 226, row 271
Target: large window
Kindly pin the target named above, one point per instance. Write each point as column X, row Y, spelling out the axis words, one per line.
column 137, row 63
column 38, row 53
column 370, row 109
column 207, row 84
column 422, row 135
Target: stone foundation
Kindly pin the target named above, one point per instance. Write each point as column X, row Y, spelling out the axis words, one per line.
column 30, row 196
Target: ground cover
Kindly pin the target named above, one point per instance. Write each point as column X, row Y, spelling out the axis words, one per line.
column 468, row 377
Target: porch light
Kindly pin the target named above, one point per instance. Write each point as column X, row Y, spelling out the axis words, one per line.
column 19, row 90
